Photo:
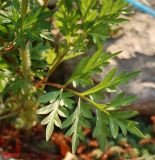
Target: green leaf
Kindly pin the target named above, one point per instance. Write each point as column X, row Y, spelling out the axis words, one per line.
column 89, row 66
column 3, row 29
column 120, row 100
column 79, row 67
column 122, row 126
column 51, row 96
column 98, row 96
column 72, row 129
column 101, row 85
column 83, row 81
column 57, row 120
column 125, row 77
column 66, row 100
column 81, row 135
column 91, row 16
column 84, row 123
column 86, row 110
column 49, row 130
column 31, row 19
column 76, row 120
column 100, row 131
column 69, row 120
column 102, row 107
column 75, row 127
column 125, row 114
column 63, row 112
column 45, row 110
column 4, row 78
column 50, row 56
column 86, row 8
column 53, row 113
column 93, row 59
column 55, row 110
column 134, row 130
column 110, row 81
column 75, row 142
column 113, row 127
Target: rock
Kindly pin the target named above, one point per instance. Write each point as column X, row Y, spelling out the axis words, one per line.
column 137, row 40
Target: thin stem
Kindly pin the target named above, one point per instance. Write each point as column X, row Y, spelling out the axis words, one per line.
column 7, row 48
column 7, row 115
column 55, row 65
column 99, row 106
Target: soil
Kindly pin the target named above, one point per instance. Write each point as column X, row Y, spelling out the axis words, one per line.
column 20, row 144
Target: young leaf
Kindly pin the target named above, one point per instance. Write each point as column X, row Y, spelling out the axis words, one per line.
column 113, row 127
column 120, row 100
column 92, row 60
column 125, row 114
column 49, row 130
column 75, row 127
column 122, row 126
column 101, row 131
column 50, row 96
column 102, row 85
column 110, row 81
column 66, row 100
column 86, row 110
column 76, row 120
column 134, row 130
column 55, row 110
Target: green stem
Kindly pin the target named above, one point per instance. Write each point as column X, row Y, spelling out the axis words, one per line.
column 55, row 65
column 25, row 55
column 59, row 60
column 24, row 51
column 26, row 62
column 24, row 8
column 98, row 106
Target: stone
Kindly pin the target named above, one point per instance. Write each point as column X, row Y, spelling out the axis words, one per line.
column 136, row 39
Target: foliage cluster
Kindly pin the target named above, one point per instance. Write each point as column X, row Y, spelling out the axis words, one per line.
column 36, row 40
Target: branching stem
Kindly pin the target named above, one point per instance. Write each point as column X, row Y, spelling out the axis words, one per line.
column 79, row 95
